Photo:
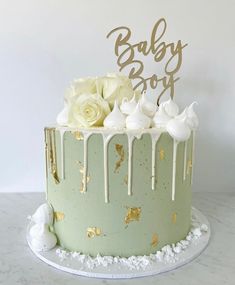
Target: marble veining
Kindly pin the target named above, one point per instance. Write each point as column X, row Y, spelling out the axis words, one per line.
column 215, row 265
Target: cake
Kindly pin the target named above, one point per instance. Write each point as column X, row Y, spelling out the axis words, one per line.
column 119, row 172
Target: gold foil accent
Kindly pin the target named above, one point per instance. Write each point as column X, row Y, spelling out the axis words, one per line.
column 126, row 179
column 78, row 135
column 58, row 216
column 162, row 154
column 174, row 218
column 92, row 232
column 120, row 150
column 154, row 241
column 82, row 188
column 46, row 151
column 189, row 166
column 133, row 214
column 51, row 153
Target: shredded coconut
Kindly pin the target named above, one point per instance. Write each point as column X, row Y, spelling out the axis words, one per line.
column 168, row 254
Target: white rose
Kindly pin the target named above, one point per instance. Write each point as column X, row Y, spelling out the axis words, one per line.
column 115, row 87
column 87, row 110
column 81, row 86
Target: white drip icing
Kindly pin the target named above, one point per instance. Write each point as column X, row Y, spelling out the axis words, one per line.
column 62, row 132
column 193, row 149
column 175, row 144
column 85, row 142
column 106, row 140
column 131, row 135
column 185, row 159
column 130, row 149
column 154, row 138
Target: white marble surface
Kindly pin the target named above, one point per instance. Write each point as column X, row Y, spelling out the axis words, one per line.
column 216, row 265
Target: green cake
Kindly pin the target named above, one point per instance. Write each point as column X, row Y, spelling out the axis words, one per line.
column 119, row 170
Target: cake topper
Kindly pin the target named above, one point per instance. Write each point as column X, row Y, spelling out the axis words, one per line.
column 129, row 54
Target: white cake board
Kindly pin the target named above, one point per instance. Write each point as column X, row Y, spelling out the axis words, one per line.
column 120, row 271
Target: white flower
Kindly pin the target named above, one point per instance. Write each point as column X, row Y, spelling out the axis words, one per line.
column 115, row 87
column 87, row 110
column 81, row 86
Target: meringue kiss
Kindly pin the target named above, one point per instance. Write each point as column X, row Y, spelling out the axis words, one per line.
column 171, row 108
column 128, row 107
column 161, row 118
column 178, row 129
column 62, row 118
column 147, row 106
column 192, row 119
column 115, row 119
column 43, row 215
column 41, row 238
column 138, row 120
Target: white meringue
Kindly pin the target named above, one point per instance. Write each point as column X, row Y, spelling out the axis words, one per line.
column 171, row 108
column 192, row 119
column 43, row 215
column 178, row 129
column 35, row 230
column 115, row 119
column 41, row 238
column 147, row 106
column 62, row 118
column 128, row 107
column 161, row 118
column 138, row 120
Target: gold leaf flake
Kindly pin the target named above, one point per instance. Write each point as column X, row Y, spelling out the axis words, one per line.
column 154, row 241
column 58, row 216
column 51, row 153
column 133, row 214
column 78, row 135
column 82, row 187
column 189, row 166
column 174, row 218
column 126, row 179
column 93, row 231
column 162, row 154
column 120, row 150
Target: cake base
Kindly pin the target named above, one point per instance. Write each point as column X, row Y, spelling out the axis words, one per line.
column 120, row 270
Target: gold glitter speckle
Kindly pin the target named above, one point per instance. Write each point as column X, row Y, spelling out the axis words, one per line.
column 174, row 218
column 162, row 154
column 78, row 135
column 189, row 166
column 58, row 216
column 133, row 214
column 154, row 241
column 120, row 150
column 92, row 232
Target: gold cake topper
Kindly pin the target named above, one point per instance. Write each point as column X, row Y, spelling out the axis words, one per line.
column 129, row 55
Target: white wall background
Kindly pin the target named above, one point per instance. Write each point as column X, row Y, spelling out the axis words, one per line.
column 44, row 44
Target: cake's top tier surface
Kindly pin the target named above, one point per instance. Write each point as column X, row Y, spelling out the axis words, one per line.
column 109, row 104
